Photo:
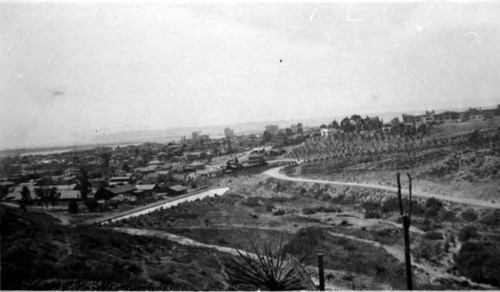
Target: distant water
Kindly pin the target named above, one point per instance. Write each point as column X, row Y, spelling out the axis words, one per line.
column 113, row 144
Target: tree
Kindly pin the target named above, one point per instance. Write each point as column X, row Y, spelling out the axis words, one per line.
column 300, row 129
column 41, row 195
column 73, row 207
column 53, row 196
column 356, row 121
column 335, row 125
column 126, row 167
column 323, row 126
column 92, row 205
column 395, row 121
column 25, row 198
column 84, row 184
column 288, row 131
column 346, row 125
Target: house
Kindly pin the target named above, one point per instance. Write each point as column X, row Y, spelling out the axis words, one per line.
column 155, row 162
column 146, row 190
column 176, row 190
column 15, row 194
column 213, row 172
column 6, row 186
column 69, row 195
column 123, row 198
column 197, row 165
column 476, row 117
column 119, row 180
column 272, row 130
column 115, row 190
column 191, row 156
column 428, row 117
column 447, row 116
column 326, row 132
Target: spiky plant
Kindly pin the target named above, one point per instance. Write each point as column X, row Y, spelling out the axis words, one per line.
column 269, row 270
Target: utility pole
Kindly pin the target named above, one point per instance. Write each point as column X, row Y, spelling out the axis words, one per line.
column 321, row 271
column 406, row 221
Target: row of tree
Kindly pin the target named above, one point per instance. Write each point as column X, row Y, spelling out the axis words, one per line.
column 356, row 123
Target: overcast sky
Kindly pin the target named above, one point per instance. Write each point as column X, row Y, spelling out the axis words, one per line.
column 69, row 71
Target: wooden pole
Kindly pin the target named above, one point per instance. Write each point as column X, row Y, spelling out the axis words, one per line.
column 409, row 203
column 321, row 272
column 406, row 231
column 398, row 178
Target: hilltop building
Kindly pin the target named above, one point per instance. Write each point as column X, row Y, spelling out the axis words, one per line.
column 228, row 133
column 272, row 130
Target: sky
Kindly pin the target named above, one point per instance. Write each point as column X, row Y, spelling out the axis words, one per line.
column 71, row 70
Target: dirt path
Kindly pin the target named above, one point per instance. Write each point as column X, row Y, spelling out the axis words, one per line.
column 397, row 253
column 275, row 173
column 189, row 242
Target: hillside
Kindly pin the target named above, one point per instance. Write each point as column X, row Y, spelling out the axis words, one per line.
column 37, row 253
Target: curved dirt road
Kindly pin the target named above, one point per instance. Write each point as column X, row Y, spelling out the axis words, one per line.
column 275, row 173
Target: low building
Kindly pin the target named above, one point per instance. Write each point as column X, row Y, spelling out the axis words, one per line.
column 197, row 165
column 176, row 190
column 210, row 173
column 327, row 132
column 119, row 180
column 476, row 117
column 272, row 130
column 146, row 190
column 191, row 156
column 112, row 191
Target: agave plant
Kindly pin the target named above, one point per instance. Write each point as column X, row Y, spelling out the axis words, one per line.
column 269, row 270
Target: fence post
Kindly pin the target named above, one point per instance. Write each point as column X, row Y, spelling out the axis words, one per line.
column 321, row 272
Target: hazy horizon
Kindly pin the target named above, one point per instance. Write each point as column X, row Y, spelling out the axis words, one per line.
column 70, row 71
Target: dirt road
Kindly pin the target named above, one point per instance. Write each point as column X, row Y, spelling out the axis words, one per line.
column 275, row 173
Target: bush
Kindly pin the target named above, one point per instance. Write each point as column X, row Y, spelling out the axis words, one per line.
column 372, row 214
column 480, row 261
column 252, row 202
column 429, row 250
column 73, row 207
column 467, row 233
column 433, row 235
column 469, row 215
column 433, row 206
column 308, row 211
column 279, row 212
column 491, row 218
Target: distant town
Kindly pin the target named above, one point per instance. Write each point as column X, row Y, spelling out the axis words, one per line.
column 151, row 171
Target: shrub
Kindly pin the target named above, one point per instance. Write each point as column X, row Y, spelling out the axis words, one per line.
column 433, row 235
column 269, row 206
column 279, row 212
column 372, row 214
column 491, row 218
column 479, row 261
column 469, row 215
column 308, row 211
column 433, row 206
column 269, row 270
column 467, row 233
column 429, row 250
column 371, row 206
column 252, row 202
